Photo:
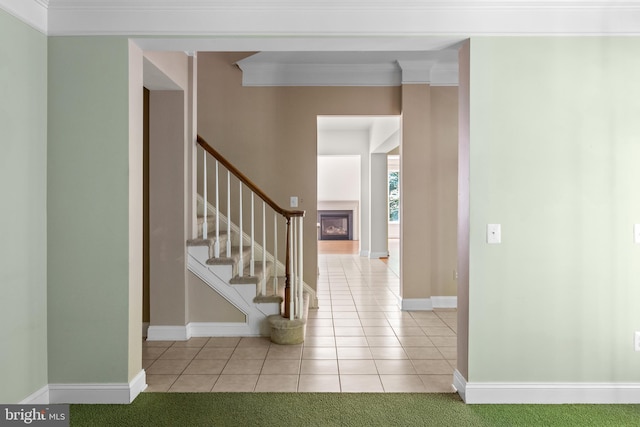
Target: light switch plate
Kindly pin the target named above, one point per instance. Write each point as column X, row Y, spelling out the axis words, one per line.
column 636, row 341
column 494, row 233
column 294, row 202
column 636, row 233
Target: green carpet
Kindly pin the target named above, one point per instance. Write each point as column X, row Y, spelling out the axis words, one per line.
column 341, row 409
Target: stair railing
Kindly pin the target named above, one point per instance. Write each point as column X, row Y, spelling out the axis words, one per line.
column 293, row 286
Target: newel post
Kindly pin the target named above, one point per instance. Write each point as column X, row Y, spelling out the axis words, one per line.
column 287, row 272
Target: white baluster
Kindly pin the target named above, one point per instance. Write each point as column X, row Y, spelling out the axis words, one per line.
column 301, row 280
column 252, row 258
column 241, row 268
column 291, row 273
column 228, row 214
column 275, row 253
column 204, row 195
column 294, row 270
column 264, row 249
column 216, row 245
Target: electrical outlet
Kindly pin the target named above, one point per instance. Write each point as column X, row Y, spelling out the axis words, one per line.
column 636, row 343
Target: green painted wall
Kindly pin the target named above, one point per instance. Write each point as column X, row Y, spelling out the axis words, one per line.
column 23, row 222
column 555, row 149
column 88, row 179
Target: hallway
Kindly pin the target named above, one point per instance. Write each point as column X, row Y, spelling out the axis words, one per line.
column 357, row 341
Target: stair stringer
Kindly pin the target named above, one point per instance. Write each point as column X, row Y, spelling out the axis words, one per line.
column 240, row 296
column 279, row 267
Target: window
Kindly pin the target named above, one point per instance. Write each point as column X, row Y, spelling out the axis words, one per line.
column 394, row 196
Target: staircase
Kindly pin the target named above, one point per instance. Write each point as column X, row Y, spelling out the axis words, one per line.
column 237, row 265
column 244, row 291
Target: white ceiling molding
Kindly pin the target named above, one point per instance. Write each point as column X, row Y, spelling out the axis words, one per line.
column 32, row 12
column 341, row 17
column 445, row 74
column 349, row 68
column 281, row 74
column 414, row 72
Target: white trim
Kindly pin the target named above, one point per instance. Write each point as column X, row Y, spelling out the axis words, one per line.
column 444, row 302
column 551, row 393
column 145, row 329
column 427, row 304
column 377, row 255
column 31, row 12
column 202, row 329
column 98, row 392
column 317, row 74
column 364, row 254
column 167, row 333
column 39, row 397
column 342, row 17
column 460, row 384
column 137, row 385
column 221, row 329
column 416, row 304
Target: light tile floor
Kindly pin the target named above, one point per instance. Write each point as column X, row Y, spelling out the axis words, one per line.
column 357, row 341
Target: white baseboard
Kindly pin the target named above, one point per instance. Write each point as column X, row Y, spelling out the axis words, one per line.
column 416, row 304
column 39, row 397
column 137, row 385
column 460, row 384
column 167, row 333
column 145, row 329
column 428, row 304
column 98, row 392
column 444, row 302
column 200, row 329
column 220, row 329
column 364, row 254
column 549, row 393
column 376, row 255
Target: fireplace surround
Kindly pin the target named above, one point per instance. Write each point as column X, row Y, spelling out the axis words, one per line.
column 335, row 225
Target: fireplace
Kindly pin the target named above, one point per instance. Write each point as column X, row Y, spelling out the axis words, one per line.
column 335, row 225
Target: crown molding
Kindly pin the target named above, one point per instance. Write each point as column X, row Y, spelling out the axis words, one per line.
column 282, row 74
column 328, row 17
column 31, row 12
column 347, row 17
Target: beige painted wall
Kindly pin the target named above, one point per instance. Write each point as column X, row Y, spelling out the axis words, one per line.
column 417, row 216
column 206, row 305
column 428, row 173
column 167, row 216
column 444, row 136
column 270, row 133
